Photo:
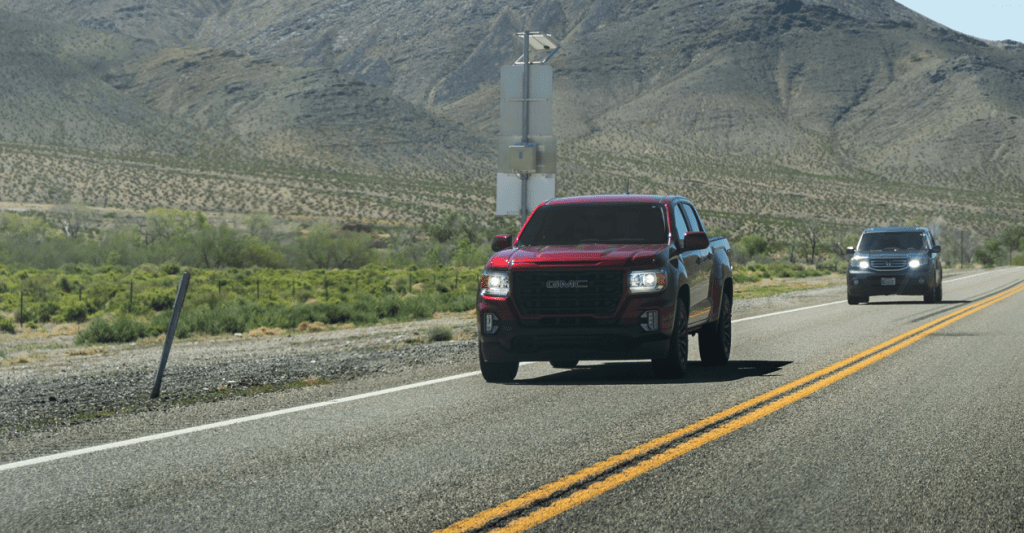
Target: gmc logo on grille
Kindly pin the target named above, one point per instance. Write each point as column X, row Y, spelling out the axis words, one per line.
column 563, row 284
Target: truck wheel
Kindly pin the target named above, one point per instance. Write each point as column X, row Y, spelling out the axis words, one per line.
column 938, row 293
column 497, row 372
column 565, row 363
column 674, row 364
column 716, row 339
column 850, row 299
column 929, row 297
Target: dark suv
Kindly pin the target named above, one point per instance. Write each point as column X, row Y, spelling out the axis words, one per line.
column 894, row 260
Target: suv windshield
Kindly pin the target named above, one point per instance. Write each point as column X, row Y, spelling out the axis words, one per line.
column 596, row 223
column 892, row 242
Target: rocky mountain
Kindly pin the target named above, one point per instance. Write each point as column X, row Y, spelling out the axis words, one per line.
column 788, row 99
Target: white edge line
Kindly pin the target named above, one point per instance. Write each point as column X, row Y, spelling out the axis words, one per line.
column 225, row 423
column 789, row 311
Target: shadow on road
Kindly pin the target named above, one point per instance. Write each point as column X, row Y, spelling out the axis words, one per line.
column 641, row 373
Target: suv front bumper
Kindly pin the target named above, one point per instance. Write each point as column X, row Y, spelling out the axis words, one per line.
column 911, row 281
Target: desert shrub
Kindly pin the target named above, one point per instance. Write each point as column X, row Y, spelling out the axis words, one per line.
column 73, row 310
column 6, row 325
column 746, row 276
column 439, row 333
column 389, row 307
column 419, row 306
column 223, row 320
column 156, row 299
column 64, row 284
column 45, row 311
column 27, row 316
column 122, row 329
column 753, row 244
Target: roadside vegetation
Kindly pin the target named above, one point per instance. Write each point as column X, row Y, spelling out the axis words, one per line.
column 119, row 275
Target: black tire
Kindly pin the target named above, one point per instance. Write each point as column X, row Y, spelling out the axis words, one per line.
column 716, row 339
column 929, row 297
column 497, row 372
column 673, row 365
column 565, row 363
column 852, row 300
column 938, row 293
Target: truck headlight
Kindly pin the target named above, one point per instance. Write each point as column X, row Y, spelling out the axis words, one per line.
column 494, row 283
column 859, row 262
column 644, row 281
column 914, row 263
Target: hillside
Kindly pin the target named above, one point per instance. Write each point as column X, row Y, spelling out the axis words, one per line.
column 773, row 114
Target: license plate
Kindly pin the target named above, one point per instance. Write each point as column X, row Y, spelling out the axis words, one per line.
column 888, row 281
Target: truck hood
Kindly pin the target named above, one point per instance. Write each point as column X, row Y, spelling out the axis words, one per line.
column 596, row 255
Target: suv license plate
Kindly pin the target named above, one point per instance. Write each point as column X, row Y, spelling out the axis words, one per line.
column 888, row 281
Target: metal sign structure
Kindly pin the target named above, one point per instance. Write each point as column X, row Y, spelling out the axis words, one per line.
column 526, row 146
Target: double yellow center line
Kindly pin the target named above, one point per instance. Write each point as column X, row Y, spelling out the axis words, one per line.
column 550, row 500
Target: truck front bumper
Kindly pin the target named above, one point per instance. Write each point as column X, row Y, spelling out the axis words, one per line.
column 505, row 338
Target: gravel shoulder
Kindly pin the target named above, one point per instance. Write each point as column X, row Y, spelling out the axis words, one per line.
column 48, row 385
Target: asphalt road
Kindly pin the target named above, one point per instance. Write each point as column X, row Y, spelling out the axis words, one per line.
column 897, row 415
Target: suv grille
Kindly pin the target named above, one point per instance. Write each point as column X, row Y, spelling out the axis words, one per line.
column 595, row 292
column 888, row 264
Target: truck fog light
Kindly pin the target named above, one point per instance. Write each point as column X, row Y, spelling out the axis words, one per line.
column 491, row 323
column 649, row 320
column 856, row 282
column 920, row 281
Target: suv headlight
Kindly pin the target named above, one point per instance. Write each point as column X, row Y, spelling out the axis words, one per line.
column 860, row 262
column 916, row 262
column 494, row 283
column 645, row 281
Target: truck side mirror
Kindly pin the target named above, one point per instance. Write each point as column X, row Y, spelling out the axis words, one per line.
column 695, row 240
column 936, row 249
column 849, row 250
column 500, row 242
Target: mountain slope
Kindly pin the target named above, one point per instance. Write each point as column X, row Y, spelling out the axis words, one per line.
column 54, row 91
column 795, row 110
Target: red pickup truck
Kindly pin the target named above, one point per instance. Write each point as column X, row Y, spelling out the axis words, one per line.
column 606, row 278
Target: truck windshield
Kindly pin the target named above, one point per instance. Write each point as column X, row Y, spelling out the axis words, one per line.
column 596, row 224
column 892, row 241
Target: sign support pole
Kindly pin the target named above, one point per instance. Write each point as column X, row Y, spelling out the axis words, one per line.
column 525, row 176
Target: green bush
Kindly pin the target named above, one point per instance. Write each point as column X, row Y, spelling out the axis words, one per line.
column 157, row 300
column 439, row 333
column 45, row 311
column 745, row 276
column 100, row 330
column 73, row 310
column 27, row 316
column 6, row 325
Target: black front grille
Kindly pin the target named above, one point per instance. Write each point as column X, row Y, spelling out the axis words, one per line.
column 594, row 292
column 888, row 264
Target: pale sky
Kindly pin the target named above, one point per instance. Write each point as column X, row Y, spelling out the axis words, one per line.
column 994, row 20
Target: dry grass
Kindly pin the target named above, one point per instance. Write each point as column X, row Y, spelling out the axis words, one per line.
column 91, row 350
column 263, row 331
